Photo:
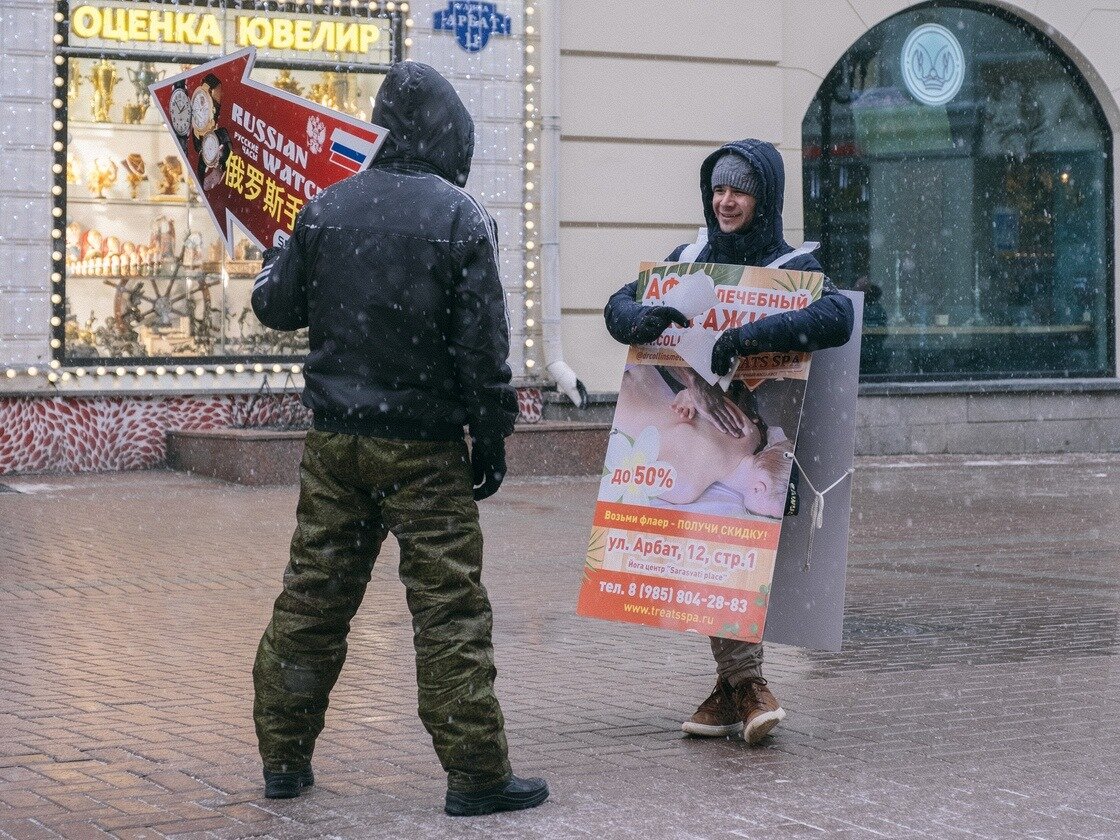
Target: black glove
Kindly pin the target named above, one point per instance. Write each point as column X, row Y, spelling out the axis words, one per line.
column 653, row 321
column 488, row 466
column 730, row 346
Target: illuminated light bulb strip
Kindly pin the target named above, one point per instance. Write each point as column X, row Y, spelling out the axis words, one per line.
column 531, row 205
column 58, row 211
column 54, row 371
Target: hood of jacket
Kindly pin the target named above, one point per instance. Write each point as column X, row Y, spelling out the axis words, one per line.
column 763, row 240
column 429, row 127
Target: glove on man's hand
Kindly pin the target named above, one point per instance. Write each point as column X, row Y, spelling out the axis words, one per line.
column 653, row 321
column 729, row 346
column 488, row 466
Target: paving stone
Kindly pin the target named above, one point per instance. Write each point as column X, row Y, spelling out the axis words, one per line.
column 976, row 695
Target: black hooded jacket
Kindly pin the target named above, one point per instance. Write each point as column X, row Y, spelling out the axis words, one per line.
column 826, row 322
column 395, row 273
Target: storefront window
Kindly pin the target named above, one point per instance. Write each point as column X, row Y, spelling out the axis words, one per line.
column 958, row 169
column 144, row 274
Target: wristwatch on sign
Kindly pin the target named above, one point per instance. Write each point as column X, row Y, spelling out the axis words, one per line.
column 212, row 158
column 204, row 105
column 180, row 110
column 211, row 150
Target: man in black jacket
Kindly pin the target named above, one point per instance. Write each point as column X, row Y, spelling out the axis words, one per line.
column 395, row 273
column 742, row 185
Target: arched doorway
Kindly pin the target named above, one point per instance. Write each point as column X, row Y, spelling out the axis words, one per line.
column 957, row 165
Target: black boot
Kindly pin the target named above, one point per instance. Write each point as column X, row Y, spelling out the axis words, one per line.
column 279, row 785
column 514, row 795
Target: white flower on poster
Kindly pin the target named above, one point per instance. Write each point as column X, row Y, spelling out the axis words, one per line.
column 632, row 473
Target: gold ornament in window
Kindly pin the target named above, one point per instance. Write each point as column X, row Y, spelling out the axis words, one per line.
column 286, row 82
column 170, row 179
column 136, row 172
column 141, row 79
column 104, row 78
column 103, row 174
column 74, row 83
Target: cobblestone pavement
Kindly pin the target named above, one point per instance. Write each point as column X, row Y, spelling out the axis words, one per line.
column 976, row 696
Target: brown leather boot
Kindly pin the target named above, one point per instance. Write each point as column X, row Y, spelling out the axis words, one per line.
column 758, row 708
column 718, row 716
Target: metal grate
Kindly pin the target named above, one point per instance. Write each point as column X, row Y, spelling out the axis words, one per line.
column 290, row 415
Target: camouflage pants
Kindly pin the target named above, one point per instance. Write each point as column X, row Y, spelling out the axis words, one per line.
column 736, row 661
column 353, row 492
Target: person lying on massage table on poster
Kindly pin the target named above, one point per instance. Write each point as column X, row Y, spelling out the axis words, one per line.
column 754, row 464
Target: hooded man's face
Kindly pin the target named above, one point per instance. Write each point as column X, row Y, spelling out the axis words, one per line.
column 734, row 209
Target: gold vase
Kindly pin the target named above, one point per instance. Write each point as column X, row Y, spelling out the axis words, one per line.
column 74, row 81
column 143, row 77
column 104, row 78
column 286, row 82
column 134, row 113
column 323, row 92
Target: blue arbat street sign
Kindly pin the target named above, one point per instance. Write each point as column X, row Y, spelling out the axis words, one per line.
column 472, row 22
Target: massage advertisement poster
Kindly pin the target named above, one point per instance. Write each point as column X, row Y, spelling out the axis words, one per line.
column 697, row 470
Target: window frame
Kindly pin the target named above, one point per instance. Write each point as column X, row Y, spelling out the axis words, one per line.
column 64, row 51
column 1077, row 77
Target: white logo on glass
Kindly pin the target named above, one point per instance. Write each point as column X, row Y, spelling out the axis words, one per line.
column 932, row 64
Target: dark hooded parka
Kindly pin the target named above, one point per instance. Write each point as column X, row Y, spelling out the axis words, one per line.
column 825, row 323
column 395, row 272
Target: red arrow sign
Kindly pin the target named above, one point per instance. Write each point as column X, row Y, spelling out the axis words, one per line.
column 257, row 154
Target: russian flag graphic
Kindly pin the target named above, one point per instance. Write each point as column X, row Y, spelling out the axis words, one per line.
column 349, row 151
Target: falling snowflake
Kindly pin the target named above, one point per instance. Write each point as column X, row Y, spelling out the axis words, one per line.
column 316, row 134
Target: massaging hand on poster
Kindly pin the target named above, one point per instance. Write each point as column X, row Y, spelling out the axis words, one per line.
column 750, row 462
column 742, row 185
column 712, row 404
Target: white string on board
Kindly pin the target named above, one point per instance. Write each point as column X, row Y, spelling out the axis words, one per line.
column 816, row 510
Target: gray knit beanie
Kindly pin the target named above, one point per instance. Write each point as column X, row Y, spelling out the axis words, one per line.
column 735, row 171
